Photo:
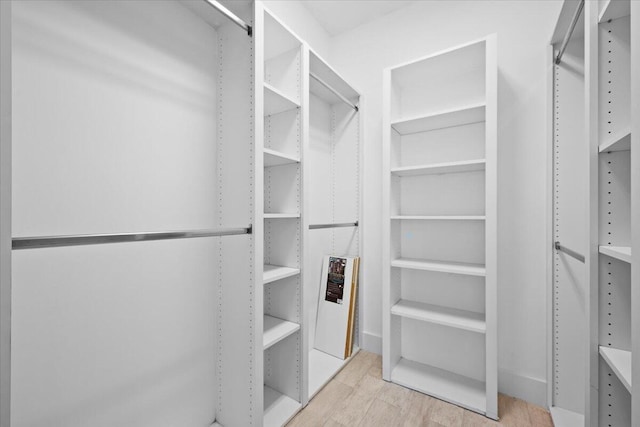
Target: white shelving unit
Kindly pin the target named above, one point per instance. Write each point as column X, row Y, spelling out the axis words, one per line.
column 333, row 186
column 147, row 332
column 279, row 138
column 611, row 146
column 440, row 226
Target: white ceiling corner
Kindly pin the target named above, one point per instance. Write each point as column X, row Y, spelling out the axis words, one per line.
column 340, row 16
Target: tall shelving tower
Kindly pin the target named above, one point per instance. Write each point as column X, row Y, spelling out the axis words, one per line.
column 440, row 226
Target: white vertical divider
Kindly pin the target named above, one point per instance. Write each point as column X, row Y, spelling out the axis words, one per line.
column 5, row 213
column 388, row 359
column 635, row 211
column 491, row 226
column 549, row 226
column 592, row 358
column 304, row 220
column 257, row 397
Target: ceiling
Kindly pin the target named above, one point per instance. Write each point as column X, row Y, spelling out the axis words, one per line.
column 339, row 16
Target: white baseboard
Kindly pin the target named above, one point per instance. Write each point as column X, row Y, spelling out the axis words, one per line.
column 531, row 389
column 372, row 343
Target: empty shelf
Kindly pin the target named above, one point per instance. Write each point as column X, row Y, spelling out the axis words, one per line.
column 618, row 142
column 623, row 253
column 276, row 158
column 276, row 102
column 281, row 215
column 271, row 273
column 440, row 217
column 445, row 385
column 441, row 266
column 278, row 408
column 614, row 9
column 437, row 168
column 439, row 315
column 620, row 363
column 275, row 330
column 444, row 119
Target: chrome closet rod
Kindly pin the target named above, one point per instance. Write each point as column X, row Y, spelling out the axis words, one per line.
column 572, row 27
column 569, row 252
column 335, row 92
column 226, row 12
column 337, row 225
column 98, row 239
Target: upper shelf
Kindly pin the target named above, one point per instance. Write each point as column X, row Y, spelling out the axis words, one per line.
column 614, row 9
column 444, row 119
column 620, row 363
column 454, row 318
column 623, row 253
column 271, row 273
column 617, row 142
column 276, row 102
column 440, row 266
column 439, row 168
column 277, row 158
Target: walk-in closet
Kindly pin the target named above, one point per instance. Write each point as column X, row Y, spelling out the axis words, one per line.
column 310, row 213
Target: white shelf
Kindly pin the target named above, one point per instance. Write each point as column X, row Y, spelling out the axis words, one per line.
column 271, row 273
column 275, row 330
column 457, row 389
column 281, row 215
column 439, row 168
column 620, row 363
column 323, row 367
column 614, row 9
column 278, row 408
column 623, row 253
column 618, row 142
column 276, row 158
column 276, row 102
column 454, row 318
column 443, row 119
column 440, row 266
column 439, row 217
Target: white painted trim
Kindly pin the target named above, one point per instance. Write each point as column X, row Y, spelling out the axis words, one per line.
column 371, row 343
column 523, row 387
column 5, row 213
column 592, row 249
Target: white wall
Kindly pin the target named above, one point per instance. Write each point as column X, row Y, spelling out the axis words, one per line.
column 524, row 29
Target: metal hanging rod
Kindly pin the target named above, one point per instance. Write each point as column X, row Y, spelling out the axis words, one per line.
column 98, row 239
column 335, row 92
column 338, row 225
column 569, row 252
column 567, row 36
column 226, row 12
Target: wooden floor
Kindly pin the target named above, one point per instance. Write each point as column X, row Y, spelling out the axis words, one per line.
column 358, row 396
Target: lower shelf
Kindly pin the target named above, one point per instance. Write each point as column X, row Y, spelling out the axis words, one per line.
column 323, row 367
column 457, row 389
column 620, row 363
column 278, row 408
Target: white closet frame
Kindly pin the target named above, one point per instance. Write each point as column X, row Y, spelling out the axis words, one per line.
column 446, row 320
column 230, row 364
column 611, row 293
column 321, row 367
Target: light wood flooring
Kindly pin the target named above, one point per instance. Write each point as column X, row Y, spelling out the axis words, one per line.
column 358, row 396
